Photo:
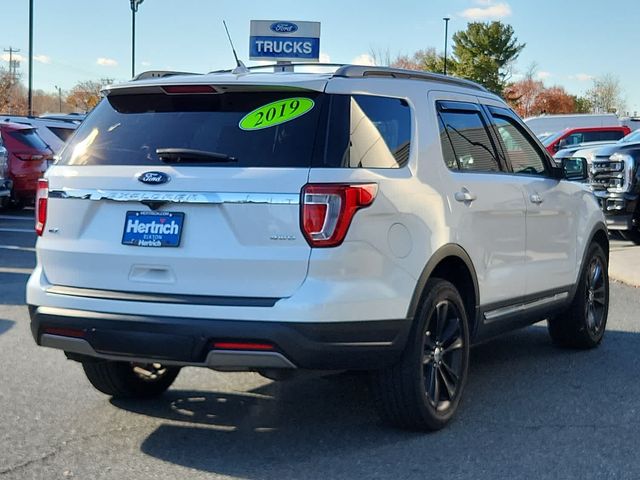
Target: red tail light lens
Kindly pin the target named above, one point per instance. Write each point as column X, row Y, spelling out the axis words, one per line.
column 188, row 89
column 327, row 210
column 243, row 346
column 42, row 198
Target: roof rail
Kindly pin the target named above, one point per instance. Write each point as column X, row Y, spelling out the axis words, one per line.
column 356, row 71
column 286, row 67
column 159, row 74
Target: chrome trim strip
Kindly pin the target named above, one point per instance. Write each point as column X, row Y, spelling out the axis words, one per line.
column 214, row 198
column 493, row 315
column 215, row 358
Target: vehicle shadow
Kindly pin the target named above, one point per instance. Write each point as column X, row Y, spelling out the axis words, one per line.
column 520, row 386
column 6, row 325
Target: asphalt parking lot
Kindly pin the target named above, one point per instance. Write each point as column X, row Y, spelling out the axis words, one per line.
column 530, row 411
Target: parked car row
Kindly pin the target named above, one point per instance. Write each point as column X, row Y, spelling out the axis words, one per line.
column 614, row 175
column 27, row 147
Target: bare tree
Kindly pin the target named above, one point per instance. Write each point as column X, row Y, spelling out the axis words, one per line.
column 606, row 95
column 380, row 56
column 86, row 95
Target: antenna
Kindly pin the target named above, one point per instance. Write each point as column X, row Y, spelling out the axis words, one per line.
column 240, row 67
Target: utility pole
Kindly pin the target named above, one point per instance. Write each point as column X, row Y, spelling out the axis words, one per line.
column 13, row 64
column 59, row 98
column 446, row 37
column 134, row 8
column 30, row 57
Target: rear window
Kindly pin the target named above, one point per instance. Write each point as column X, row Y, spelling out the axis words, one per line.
column 287, row 129
column 29, row 138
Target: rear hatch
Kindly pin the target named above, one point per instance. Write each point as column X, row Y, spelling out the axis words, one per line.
column 184, row 190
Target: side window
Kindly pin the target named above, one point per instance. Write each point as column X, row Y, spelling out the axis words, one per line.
column 608, row 135
column 576, row 138
column 365, row 131
column 520, row 149
column 465, row 141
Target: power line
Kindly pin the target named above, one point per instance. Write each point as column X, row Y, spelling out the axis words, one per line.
column 13, row 64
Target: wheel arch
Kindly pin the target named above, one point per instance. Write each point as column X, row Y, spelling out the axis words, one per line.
column 600, row 235
column 452, row 263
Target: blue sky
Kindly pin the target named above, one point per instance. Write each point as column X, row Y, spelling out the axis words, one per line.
column 571, row 41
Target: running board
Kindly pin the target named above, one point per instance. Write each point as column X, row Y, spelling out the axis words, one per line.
column 499, row 313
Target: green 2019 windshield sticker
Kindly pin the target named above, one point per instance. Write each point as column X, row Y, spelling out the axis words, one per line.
column 276, row 113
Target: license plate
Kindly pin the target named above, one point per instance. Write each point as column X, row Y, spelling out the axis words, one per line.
column 153, row 229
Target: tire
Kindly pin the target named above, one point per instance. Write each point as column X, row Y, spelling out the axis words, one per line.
column 631, row 235
column 583, row 324
column 128, row 380
column 423, row 390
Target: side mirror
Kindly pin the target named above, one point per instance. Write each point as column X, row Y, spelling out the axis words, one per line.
column 575, row 169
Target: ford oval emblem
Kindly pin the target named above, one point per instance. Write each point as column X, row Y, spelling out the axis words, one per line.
column 153, row 178
column 284, row 27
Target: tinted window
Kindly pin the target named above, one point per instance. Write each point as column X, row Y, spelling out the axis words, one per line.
column 576, row 138
column 607, row 136
column 520, row 149
column 62, row 133
column 368, row 132
column 127, row 130
column 465, row 142
column 30, row 138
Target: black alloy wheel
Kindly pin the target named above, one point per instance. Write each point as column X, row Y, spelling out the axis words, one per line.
column 422, row 391
column 443, row 357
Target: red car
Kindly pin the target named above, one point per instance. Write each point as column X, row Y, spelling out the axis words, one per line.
column 28, row 155
column 573, row 136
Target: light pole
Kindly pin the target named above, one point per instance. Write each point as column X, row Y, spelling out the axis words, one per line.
column 59, row 98
column 134, row 8
column 446, row 36
column 30, row 95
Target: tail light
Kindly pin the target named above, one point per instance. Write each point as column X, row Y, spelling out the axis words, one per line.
column 42, row 198
column 327, row 210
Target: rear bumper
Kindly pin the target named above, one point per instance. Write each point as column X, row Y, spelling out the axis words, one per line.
column 361, row 345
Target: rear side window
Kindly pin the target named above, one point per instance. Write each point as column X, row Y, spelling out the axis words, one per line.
column 29, row 138
column 366, row 131
column 62, row 133
column 128, row 129
column 465, row 142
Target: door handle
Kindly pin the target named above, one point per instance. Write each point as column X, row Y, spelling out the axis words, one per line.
column 535, row 198
column 464, row 196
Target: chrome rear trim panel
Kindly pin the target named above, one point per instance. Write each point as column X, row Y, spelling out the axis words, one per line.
column 177, row 197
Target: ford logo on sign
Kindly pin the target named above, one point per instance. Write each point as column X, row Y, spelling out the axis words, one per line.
column 153, row 178
column 284, row 27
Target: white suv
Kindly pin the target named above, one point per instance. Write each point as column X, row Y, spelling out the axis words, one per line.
column 366, row 219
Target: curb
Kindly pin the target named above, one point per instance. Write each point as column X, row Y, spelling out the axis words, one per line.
column 624, row 265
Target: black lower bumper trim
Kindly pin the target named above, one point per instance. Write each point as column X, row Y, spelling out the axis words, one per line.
column 323, row 346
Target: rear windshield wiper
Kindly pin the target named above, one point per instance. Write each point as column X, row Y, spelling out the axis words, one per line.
column 188, row 155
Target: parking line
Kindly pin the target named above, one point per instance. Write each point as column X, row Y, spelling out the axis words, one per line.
column 10, row 217
column 16, row 270
column 15, row 247
column 17, row 230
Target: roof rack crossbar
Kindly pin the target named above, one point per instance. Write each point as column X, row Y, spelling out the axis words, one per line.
column 284, row 66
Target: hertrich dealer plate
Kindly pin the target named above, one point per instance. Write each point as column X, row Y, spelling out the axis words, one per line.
column 153, row 229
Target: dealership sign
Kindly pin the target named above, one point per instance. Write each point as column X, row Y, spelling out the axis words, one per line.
column 284, row 41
